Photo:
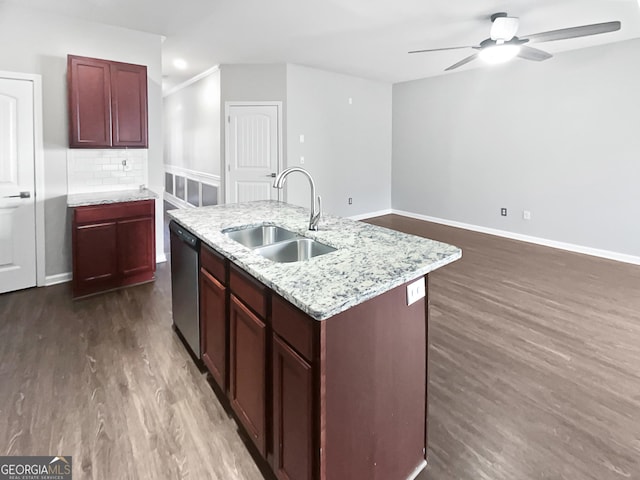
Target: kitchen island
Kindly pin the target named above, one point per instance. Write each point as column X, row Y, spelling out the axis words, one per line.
column 324, row 361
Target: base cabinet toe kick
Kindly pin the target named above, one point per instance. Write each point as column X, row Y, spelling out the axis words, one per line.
column 341, row 398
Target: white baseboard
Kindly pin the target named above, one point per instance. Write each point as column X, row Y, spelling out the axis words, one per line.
column 58, row 278
column 570, row 247
column 379, row 213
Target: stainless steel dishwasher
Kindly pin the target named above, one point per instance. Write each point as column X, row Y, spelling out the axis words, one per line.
column 185, row 248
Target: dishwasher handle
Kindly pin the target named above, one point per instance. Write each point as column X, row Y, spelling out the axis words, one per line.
column 184, row 235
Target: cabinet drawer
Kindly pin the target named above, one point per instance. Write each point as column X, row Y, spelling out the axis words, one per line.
column 213, row 263
column 293, row 325
column 252, row 292
column 97, row 213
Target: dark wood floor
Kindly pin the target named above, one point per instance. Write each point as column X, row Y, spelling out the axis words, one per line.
column 535, row 362
column 535, row 373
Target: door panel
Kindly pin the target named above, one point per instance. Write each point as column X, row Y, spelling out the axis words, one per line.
column 129, row 105
column 213, row 326
column 17, row 215
column 95, row 264
column 136, row 246
column 252, row 152
column 248, row 191
column 8, row 139
column 292, row 413
column 89, row 85
column 247, row 370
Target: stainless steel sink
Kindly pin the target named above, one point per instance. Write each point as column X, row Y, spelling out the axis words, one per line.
column 278, row 244
column 253, row 237
column 294, row 250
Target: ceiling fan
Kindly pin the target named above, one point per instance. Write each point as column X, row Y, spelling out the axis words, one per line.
column 504, row 45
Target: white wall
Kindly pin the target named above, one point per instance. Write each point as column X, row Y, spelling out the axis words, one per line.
column 192, row 126
column 35, row 42
column 347, row 147
column 252, row 83
column 560, row 138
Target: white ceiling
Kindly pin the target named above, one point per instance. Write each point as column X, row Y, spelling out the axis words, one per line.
column 367, row 38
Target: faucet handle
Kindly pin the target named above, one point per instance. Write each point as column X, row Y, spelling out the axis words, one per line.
column 315, row 215
column 315, row 219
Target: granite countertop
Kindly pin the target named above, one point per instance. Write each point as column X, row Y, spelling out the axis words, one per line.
column 118, row 196
column 370, row 260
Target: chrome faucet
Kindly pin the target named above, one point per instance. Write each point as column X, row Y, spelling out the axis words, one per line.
column 314, row 219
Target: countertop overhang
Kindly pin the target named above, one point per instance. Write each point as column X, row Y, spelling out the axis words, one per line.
column 103, row 198
column 369, row 260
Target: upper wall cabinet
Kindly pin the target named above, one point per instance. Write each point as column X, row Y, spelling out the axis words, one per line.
column 107, row 103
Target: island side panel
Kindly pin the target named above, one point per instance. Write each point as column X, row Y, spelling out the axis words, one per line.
column 320, row 407
column 427, row 316
column 375, row 389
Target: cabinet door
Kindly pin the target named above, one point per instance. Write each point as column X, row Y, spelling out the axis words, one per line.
column 247, row 370
column 213, row 326
column 136, row 248
column 129, row 105
column 292, row 413
column 89, row 85
column 95, row 266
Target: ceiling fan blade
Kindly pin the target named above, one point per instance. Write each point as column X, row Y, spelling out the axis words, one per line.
column 574, row 32
column 439, row 49
column 462, row 62
column 504, row 28
column 534, row 54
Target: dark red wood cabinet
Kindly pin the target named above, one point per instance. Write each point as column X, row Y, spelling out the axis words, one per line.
column 345, row 397
column 113, row 246
column 107, row 103
column 292, row 413
column 247, row 370
column 213, row 315
column 95, row 260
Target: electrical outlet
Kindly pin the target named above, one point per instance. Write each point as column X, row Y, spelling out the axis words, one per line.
column 350, row 201
column 301, row 160
column 125, row 166
column 503, row 212
column 301, row 138
column 526, row 215
column 415, row 291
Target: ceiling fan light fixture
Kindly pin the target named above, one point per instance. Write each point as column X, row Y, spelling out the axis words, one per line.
column 499, row 53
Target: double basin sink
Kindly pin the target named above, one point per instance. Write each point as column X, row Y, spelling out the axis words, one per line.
column 278, row 244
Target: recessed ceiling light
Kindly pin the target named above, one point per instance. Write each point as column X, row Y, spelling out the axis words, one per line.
column 180, row 64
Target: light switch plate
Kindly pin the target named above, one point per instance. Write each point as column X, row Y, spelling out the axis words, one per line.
column 415, row 291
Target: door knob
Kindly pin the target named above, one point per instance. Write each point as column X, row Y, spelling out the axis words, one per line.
column 20, row 195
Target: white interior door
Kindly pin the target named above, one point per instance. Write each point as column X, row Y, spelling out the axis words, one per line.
column 252, row 152
column 17, row 204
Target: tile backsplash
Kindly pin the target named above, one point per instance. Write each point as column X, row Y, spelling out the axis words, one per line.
column 90, row 170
